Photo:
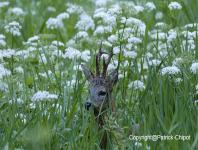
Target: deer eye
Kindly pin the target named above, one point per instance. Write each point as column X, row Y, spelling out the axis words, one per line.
column 102, row 93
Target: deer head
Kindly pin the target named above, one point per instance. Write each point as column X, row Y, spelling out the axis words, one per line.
column 101, row 83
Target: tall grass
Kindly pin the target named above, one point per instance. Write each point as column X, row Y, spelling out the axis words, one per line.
column 164, row 107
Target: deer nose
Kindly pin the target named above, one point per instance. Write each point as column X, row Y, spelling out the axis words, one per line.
column 87, row 105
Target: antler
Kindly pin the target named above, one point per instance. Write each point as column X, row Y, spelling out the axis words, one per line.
column 106, row 63
column 98, row 55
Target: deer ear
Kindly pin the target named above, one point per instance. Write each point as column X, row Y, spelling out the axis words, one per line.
column 88, row 74
column 113, row 77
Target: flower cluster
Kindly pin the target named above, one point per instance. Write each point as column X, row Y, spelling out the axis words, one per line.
column 13, row 28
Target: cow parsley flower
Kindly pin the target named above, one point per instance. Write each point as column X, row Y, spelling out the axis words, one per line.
column 130, row 54
column 134, row 40
column 172, row 35
column 2, row 40
column 4, row 71
column 85, row 23
column 194, row 68
column 85, row 55
column 3, row 86
column 74, row 9
column 159, row 15
column 16, row 11
column 13, row 28
column 32, row 41
column 99, row 30
column 7, row 53
column 137, row 85
column 43, row 96
column 170, row 70
column 150, row 6
column 81, row 34
column 72, row 53
column 19, row 69
column 4, row 4
column 174, row 6
column 58, row 43
column 116, row 50
column 154, row 62
column 112, row 38
column 54, row 23
column 63, row 16
column 100, row 3
column 135, row 23
column 196, row 87
column 138, row 8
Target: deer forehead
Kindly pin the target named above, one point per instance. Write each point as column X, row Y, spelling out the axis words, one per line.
column 99, row 81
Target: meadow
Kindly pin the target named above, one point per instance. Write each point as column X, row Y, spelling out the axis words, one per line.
column 43, row 90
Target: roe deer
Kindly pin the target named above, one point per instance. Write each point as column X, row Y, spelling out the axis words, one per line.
column 100, row 89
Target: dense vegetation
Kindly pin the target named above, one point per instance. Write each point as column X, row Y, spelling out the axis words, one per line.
column 43, row 91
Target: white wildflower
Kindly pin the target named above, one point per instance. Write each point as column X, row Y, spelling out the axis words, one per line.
column 99, row 30
column 81, row 35
column 100, row 3
column 4, row 4
column 157, row 35
column 13, row 28
column 116, row 50
column 19, row 69
column 77, row 67
column 3, row 86
column 112, row 38
column 63, row 16
column 16, row 11
column 159, row 15
column 4, row 71
column 161, row 25
column 54, row 23
column 130, row 54
column 42, row 58
column 150, row 6
column 106, row 43
column 71, row 43
column 18, row 101
column 7, row 53
column 137, row 85
column 72, row 53
column 74, row 9
column 196, row 87
column 174, row 6
column 189, row 35
column 2, row 40
column 85, row 55
column 177, row 61
column 172, row 35
column 32, row 41
column 178, row 80
column 135, row 23
column 57, row 43
column 170, row 70
column 85, row 23
column 51, row 9
column 134, row 40
column 138, row 8
column 189, row 45
column 194, row 68
column 154, row 62
column 43, row 96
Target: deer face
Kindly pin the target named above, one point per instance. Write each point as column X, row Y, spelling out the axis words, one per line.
column 98, row 91
column 101, row 84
